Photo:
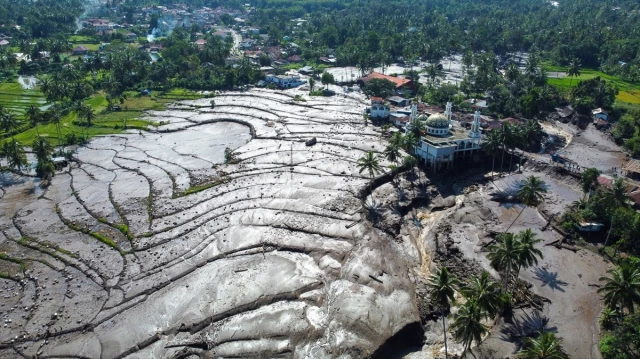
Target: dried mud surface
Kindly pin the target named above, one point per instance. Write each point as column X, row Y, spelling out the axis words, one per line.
column 152, row 247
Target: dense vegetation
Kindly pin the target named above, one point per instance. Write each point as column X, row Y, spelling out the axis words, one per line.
column 597, row 33
column 38, row 19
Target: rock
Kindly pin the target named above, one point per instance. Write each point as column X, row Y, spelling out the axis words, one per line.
column 311, row 142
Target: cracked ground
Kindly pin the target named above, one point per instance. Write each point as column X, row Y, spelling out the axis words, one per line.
column 151, row 247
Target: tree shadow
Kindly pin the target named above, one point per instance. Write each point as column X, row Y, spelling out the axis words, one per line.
column 550, row 279
column 525, row 326
column 372, row 211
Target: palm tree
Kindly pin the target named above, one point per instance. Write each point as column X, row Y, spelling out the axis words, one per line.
column 622, row 288
column 504, row 255
column 485, row 292
column 491, row 145
column 8, row 121
column 574, row 69
column 34, row 116
column 410, row 142
column 443, row 286
column 416, row 127
column 42, row 149
column 369, row 162
column 530, row 194
column 467, row 324
column 397, row 140
column 312, row 84
column 528, row 254
column 618, row 194
column 89, row 115
column 14, row 154
column 545, row 346
column 512, row 73
column 392, row 154
column 589, row 180
column 54, row 117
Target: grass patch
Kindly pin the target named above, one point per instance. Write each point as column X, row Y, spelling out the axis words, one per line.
column 80, row 39
column 631, row 96
column 30, row 242
column 17, row 99
column 105, row 240
column 17, row 261
column 202, row 187
column 629, row 92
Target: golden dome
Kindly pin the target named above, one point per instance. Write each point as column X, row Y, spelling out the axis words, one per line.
column 438, row 120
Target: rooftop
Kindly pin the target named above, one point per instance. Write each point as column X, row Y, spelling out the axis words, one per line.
column 632, row 166
column 398, row 81
column 455, row 134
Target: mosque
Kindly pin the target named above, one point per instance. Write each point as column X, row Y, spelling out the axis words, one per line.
column 443, row 143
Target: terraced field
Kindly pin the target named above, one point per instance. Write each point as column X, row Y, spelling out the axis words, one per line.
column 16, row 99
column 152, row 247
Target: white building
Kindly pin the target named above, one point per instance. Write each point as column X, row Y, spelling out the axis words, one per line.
column 378, row 109
column 286, row 81
column 443, row 143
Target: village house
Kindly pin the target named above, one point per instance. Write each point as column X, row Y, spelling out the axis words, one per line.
column 402, row 85
column 4, row 42
column 80, row 50
column 399, row 101
column 247, row 43
column 200, row 43
column 132, row 37
column 378, row 108
column 284, row 81
column 600, row 113
column 222, row 33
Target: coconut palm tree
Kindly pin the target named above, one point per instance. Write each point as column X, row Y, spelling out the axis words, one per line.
column 512, row 73
column 467, row 324
column 618, row 194
column 392, row 154
column 545, row 346
column 443, row 285
column 622, row 288
column 55, row 118
column 8, row 121
column 42, row 149
column 369, row 162
column 530, row 194
column 504, row 255
column 573, row 70
column 589, row 180
column 485, row 292
column 397, row 140
column 14, row 153
column 410, row 142
column 89, row 115
column 416, row 127
column 528, row 254
column 34, row 116
column 491, row 145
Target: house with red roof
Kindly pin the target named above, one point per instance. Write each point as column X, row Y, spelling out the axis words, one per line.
column 402, row 84
column 200, row 43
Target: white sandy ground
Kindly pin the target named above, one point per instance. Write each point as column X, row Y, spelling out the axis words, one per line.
column 273, row 259
column 569, row 280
